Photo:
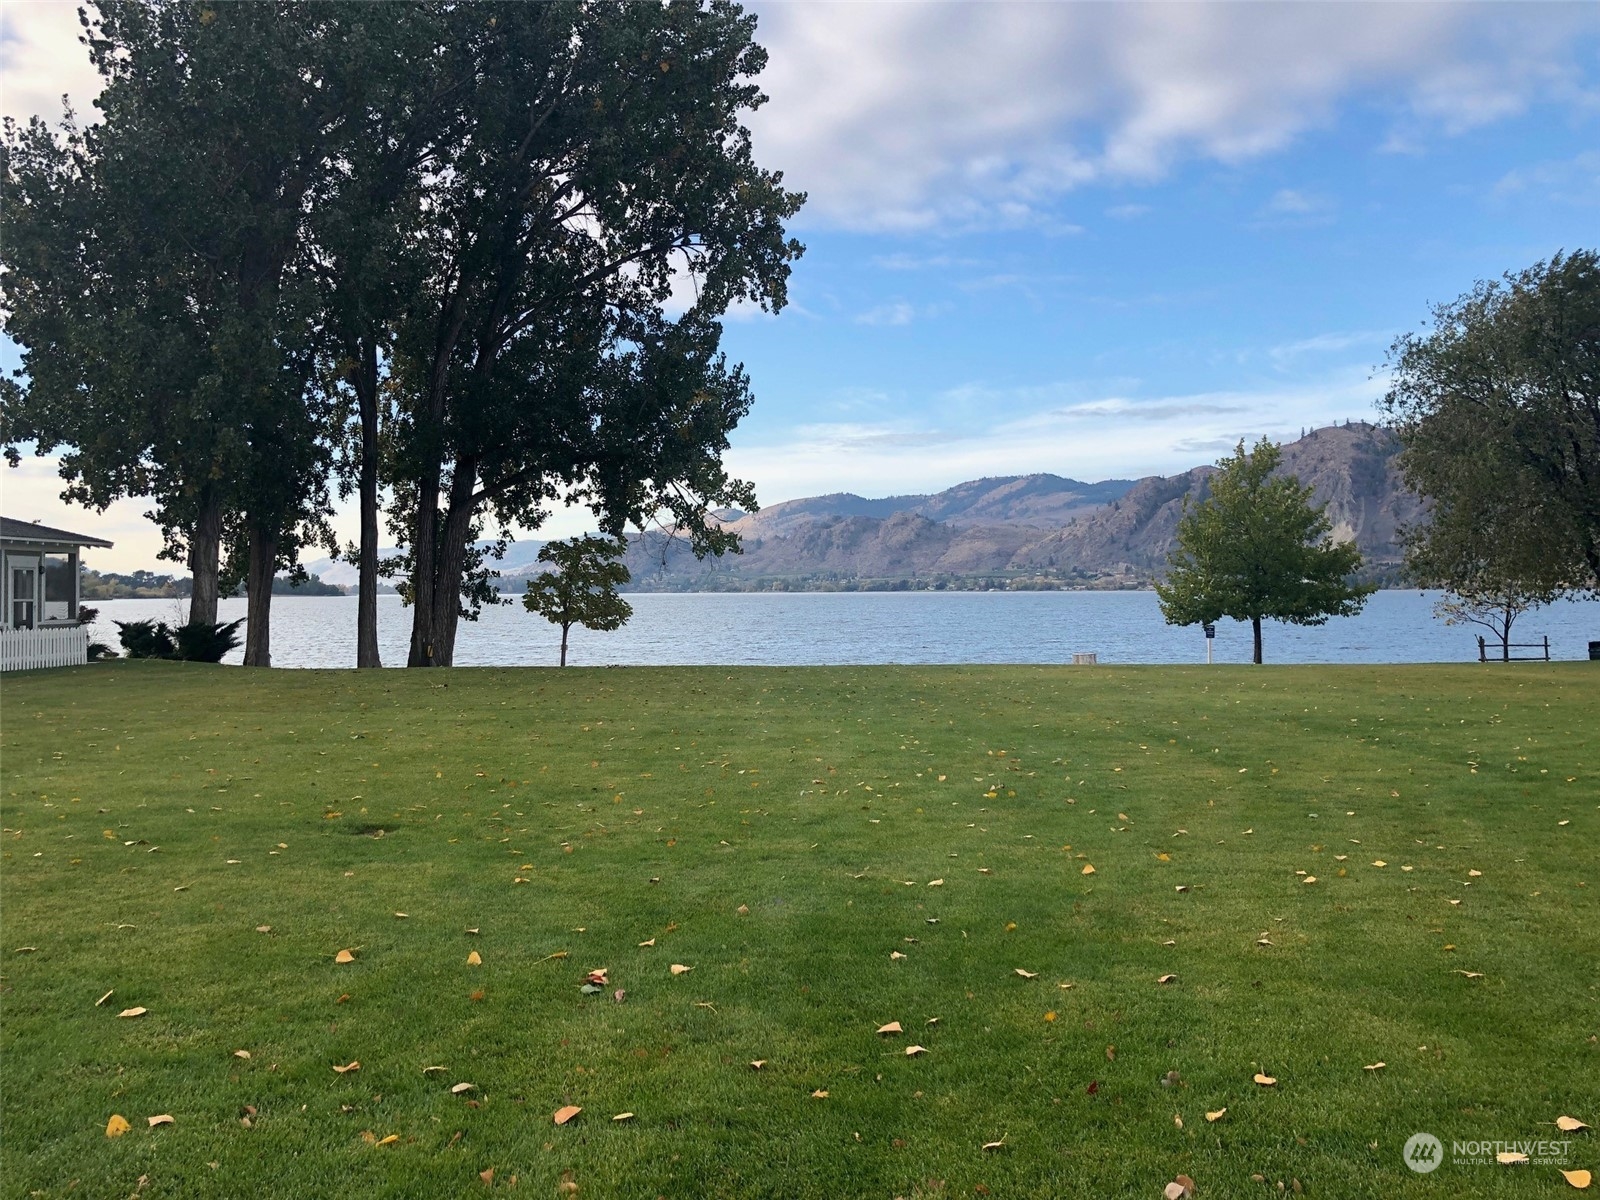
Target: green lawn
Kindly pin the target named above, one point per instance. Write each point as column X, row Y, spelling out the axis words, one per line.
column 783, row 832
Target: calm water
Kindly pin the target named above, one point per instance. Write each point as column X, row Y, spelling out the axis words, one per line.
column 882, row 627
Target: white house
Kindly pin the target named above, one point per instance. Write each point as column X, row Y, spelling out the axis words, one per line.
column 39, row 595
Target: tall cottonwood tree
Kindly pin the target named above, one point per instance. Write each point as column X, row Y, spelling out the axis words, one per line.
column 1498, row 411
column 168, row 325
column 603, row 162
column 1256, row 549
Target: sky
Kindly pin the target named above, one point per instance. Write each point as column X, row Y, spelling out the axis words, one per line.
column 1100, row 240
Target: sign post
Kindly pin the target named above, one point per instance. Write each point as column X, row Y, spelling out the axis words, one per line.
column 1211, row 636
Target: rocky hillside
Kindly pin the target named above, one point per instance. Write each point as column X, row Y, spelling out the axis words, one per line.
column 1028, row 530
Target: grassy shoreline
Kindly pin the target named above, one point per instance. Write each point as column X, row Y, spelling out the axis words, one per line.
column 652, row 804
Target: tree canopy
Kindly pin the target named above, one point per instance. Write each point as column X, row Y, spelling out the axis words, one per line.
column 582, row 590
column 1256, row 549
column 1498, row 410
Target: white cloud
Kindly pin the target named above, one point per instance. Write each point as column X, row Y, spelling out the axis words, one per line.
column 897, row 313
column 1567, row 181
column 41, row 59
column 931, row 115
column 1095, row 438
column 32, row 492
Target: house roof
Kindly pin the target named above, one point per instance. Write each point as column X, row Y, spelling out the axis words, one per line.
column 13, row 530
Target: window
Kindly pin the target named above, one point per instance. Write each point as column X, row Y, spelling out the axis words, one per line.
column 58, row 582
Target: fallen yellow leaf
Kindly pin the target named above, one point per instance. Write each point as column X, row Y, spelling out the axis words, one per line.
column 680, row 969
column 1166, row 979
column 1378, row 862
column 1216, row 1116
column 1377, row 1066
column 623, row 1117
column 1570, row 1125
column 820, row 1094
column 565, row 1114
column 1088, row 869
column 651, row 942
column 133, row 1012
column 474, row 959
column 390, row 1140
column 117, row 1126
column 459, row 1088
column 1265, row 1080
column 1027, row 974
column 891, row 1027
column 1578, row 1179
column 345, row 1070
column 345, row 956
column 163, row 1119
column 1309, row 879
column 757, row 1064
column 487, row 1176
column 241, row 1054
column 104, row 998
column 913, row 1051
column 1000, row 1145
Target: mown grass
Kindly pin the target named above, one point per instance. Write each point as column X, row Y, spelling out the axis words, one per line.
column 778, row 831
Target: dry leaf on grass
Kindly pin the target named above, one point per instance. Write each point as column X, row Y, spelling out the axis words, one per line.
column 1309, row 879
column 163, row 1119
column 345, row 956
column 623, row 1117
column 894, row 955
column 1179, row 1188
column 434, row 1070
column 345, row 1070
column 757, row 1064
column 388, row 1141
column 1216, row 1115
column 935, row 883
column 487, row 1176
column 566, row 1113
column 117, row 1126
column 241, row 1054
column 1578, row 1179
column 263, row 928
column 1088, row 869
column 133, row 1012
column 474, row 959
column 1470, row 974
column 913, row 1051
column 1026, row 974
column 891, row 1027
column 104, row 998
column 680, row 969
column 1570, row 1125
column 820, row 1094
column 1265, row 1080
column 1166, row 979
column 1000, row 1145
column 1377, row 1066
column 459, row 1088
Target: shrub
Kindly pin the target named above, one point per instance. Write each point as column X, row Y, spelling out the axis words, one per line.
column 206, row 641
column 99, row 652
column 198, row 641
column 146, row 639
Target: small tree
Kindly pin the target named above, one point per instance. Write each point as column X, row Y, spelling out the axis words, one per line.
column 1257, row 549
column 582, row 590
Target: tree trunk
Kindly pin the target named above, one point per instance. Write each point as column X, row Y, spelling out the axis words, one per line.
column 564, row 629
column 367, row 597
column 434, row 624
column 258, row 586
column 205, row 559
column 1255, row 628
column 424, row 566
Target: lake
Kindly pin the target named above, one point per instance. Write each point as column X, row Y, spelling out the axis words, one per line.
column 820, row 628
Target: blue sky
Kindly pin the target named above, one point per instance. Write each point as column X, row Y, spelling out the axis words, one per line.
column 1100, row 240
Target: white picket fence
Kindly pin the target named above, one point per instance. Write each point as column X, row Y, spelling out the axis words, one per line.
column 25, row 649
